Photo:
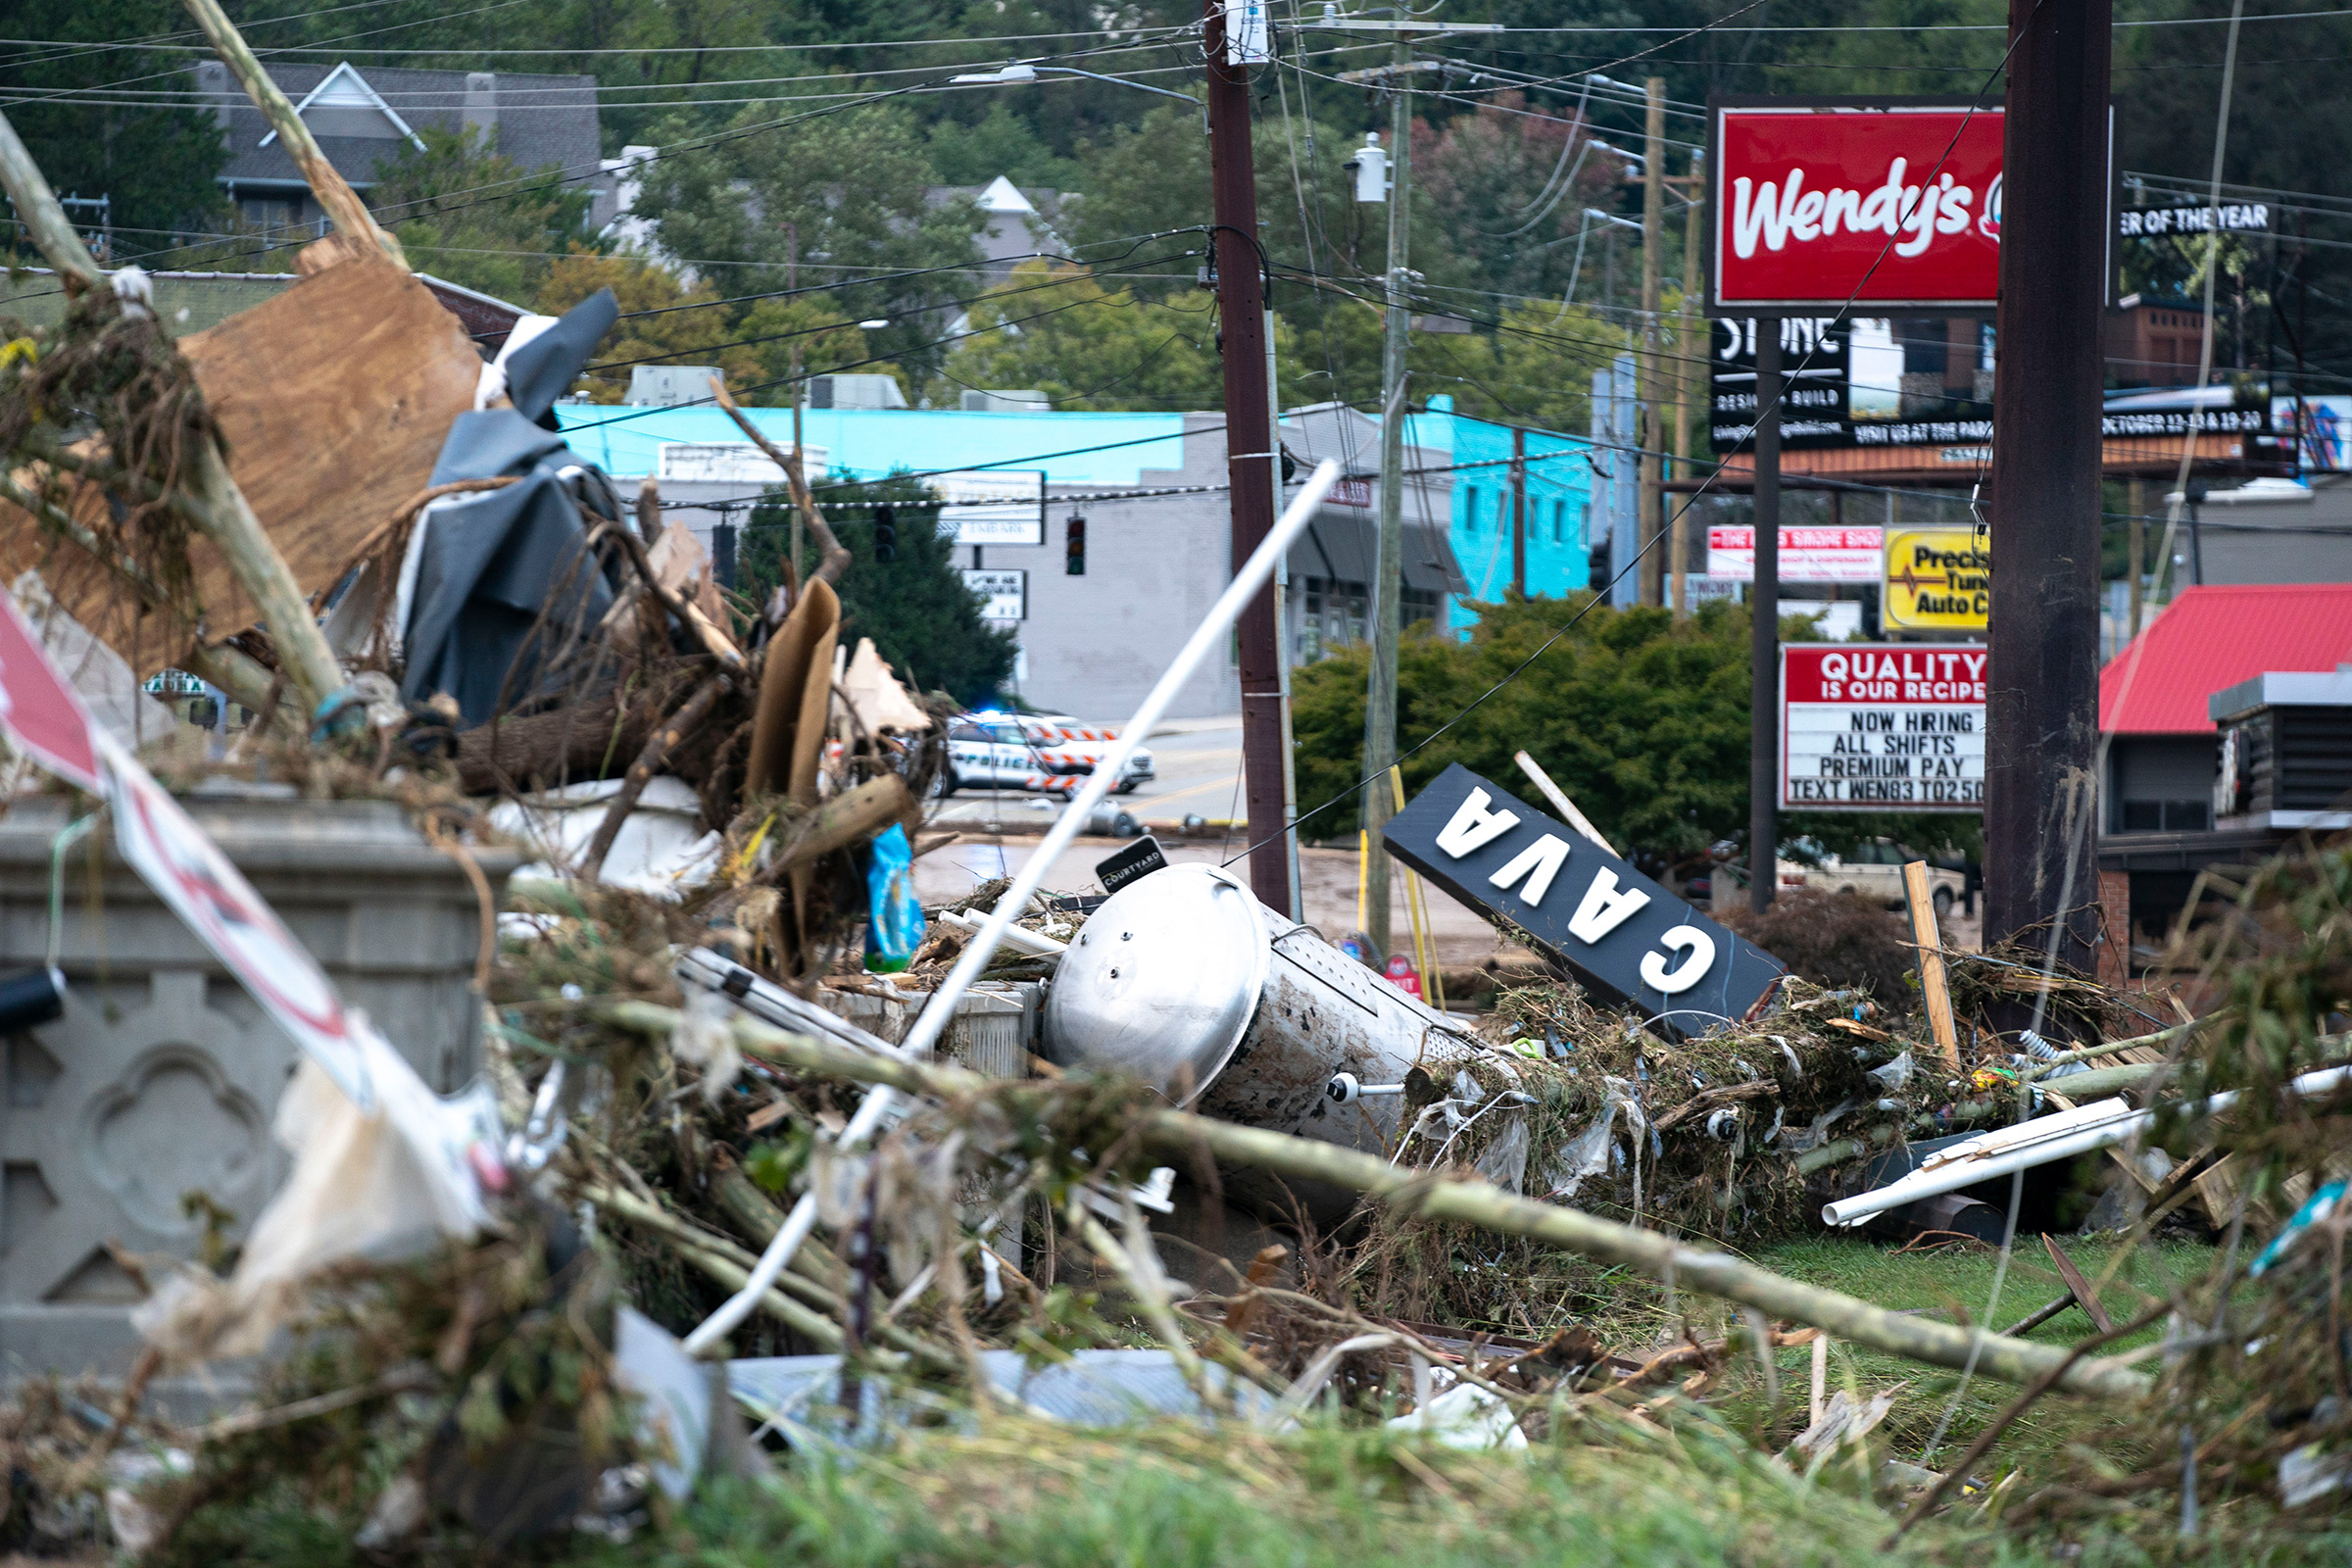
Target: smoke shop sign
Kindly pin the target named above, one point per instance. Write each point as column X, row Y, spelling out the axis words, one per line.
column 1879, row 727
column 1626, row 936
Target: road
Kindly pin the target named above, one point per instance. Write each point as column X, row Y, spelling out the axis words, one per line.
column 1199, row 763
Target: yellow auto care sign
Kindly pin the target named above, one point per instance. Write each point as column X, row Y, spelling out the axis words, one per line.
column 1937, row 579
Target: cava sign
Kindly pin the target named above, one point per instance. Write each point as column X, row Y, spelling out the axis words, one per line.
column 1626, row 936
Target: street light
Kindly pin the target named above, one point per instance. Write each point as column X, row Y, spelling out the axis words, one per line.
column 1025, row 73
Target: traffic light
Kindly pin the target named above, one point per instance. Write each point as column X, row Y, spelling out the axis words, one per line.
column 1075, row 563
column 886, row 533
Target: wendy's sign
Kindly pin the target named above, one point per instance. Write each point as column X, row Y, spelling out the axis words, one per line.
column 1815, row 203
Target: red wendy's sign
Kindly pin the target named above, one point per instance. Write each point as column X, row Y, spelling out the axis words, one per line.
column 1812, row 204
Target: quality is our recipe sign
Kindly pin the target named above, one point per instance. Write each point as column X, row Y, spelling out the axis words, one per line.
column 1882, row 728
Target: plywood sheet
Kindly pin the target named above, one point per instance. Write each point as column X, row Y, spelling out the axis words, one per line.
column 335, row 397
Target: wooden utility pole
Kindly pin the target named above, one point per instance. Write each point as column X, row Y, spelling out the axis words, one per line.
column 1380, row 699
column 1251, row 454
column 1691, row 363
column 1652, row 513
column 2041, row 712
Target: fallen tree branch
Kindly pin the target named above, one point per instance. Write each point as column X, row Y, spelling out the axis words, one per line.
column 716, row 643
column 1482, row 1204
column 334, row 192
column 2000, row 1423
column 835, row 556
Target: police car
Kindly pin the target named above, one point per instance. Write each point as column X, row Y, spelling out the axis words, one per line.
column 1007, row 750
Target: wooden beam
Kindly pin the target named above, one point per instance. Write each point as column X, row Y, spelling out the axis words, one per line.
column 1930, row 939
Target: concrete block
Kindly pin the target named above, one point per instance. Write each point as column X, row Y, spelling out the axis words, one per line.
column 160, row 1080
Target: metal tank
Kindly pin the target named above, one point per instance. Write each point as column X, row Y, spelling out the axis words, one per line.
column 1183, row 979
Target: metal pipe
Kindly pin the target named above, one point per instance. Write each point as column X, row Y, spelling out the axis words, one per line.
column 883, row 1104
column 2080, row 1131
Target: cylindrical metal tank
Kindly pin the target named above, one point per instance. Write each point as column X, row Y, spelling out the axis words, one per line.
column 1183, row 979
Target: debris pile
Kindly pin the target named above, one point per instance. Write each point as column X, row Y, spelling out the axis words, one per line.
column 759, row 1141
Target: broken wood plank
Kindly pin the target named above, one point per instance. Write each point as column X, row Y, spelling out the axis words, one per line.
column 1932, row 990
column 2076, row 1286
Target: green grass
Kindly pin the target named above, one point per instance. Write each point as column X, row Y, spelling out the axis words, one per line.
column 1962, row 1277
column 1321, row 1498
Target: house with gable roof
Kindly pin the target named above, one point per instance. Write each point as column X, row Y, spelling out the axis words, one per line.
column 364, row 120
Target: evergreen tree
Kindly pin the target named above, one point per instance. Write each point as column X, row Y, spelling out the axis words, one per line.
column 915, row 608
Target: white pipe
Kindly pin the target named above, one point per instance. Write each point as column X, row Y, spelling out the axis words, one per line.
column 883, row 1104
column 1020, row 939
column 2040, row 1142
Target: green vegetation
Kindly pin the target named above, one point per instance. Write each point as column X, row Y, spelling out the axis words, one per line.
column 1644, row 723
column 916, row 608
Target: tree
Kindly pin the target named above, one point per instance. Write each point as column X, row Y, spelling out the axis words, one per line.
column 155, row 163
column 921, row 616
column 848, row 189
column 1643, row 722
column 469, row 214
column 1510, row 186
column 1056, row 329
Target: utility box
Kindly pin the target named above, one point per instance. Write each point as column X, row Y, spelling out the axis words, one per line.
column 2285, row 751
column 141, row 1118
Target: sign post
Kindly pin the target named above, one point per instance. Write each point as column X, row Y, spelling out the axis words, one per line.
column 1816, row 207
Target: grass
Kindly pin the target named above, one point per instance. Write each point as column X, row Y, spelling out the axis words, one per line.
column 1320, row 1499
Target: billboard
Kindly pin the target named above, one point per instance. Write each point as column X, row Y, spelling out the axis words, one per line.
column 992, row 505
column 1814, row 205
column 1838, row 377
column 1937, row 579
column 1882, row 727
column 1807, row 555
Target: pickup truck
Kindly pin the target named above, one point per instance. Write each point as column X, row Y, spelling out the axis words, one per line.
column 1873, row 869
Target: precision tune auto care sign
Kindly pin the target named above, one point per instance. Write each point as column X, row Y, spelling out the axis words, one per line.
column 1882, row 727
column 1813, row 205
column 1626, row 936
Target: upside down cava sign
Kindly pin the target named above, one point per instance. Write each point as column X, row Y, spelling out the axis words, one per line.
column 1814, row 205
column 1628, row 938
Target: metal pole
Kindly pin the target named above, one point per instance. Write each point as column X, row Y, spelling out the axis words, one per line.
column 1690, row 377
column 1652, row 512
column 1296, row 907
column 792, row 280
column 1251, row 459
column 1764, row 651
column 1519, row 511
column 1380, row 700
column 2041, row 714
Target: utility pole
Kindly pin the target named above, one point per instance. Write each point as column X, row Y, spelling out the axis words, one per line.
column 1691, row 377
column 2041, row 711
column 1251, row 457
column 1379, row 701
column 1764, row 649
column 792, row 282
column 1652, row 509
column 1519, row 510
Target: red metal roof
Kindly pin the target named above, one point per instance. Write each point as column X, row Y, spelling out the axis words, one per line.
column 2211, row 638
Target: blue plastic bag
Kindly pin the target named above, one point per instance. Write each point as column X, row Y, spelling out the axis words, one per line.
column 894, row 925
